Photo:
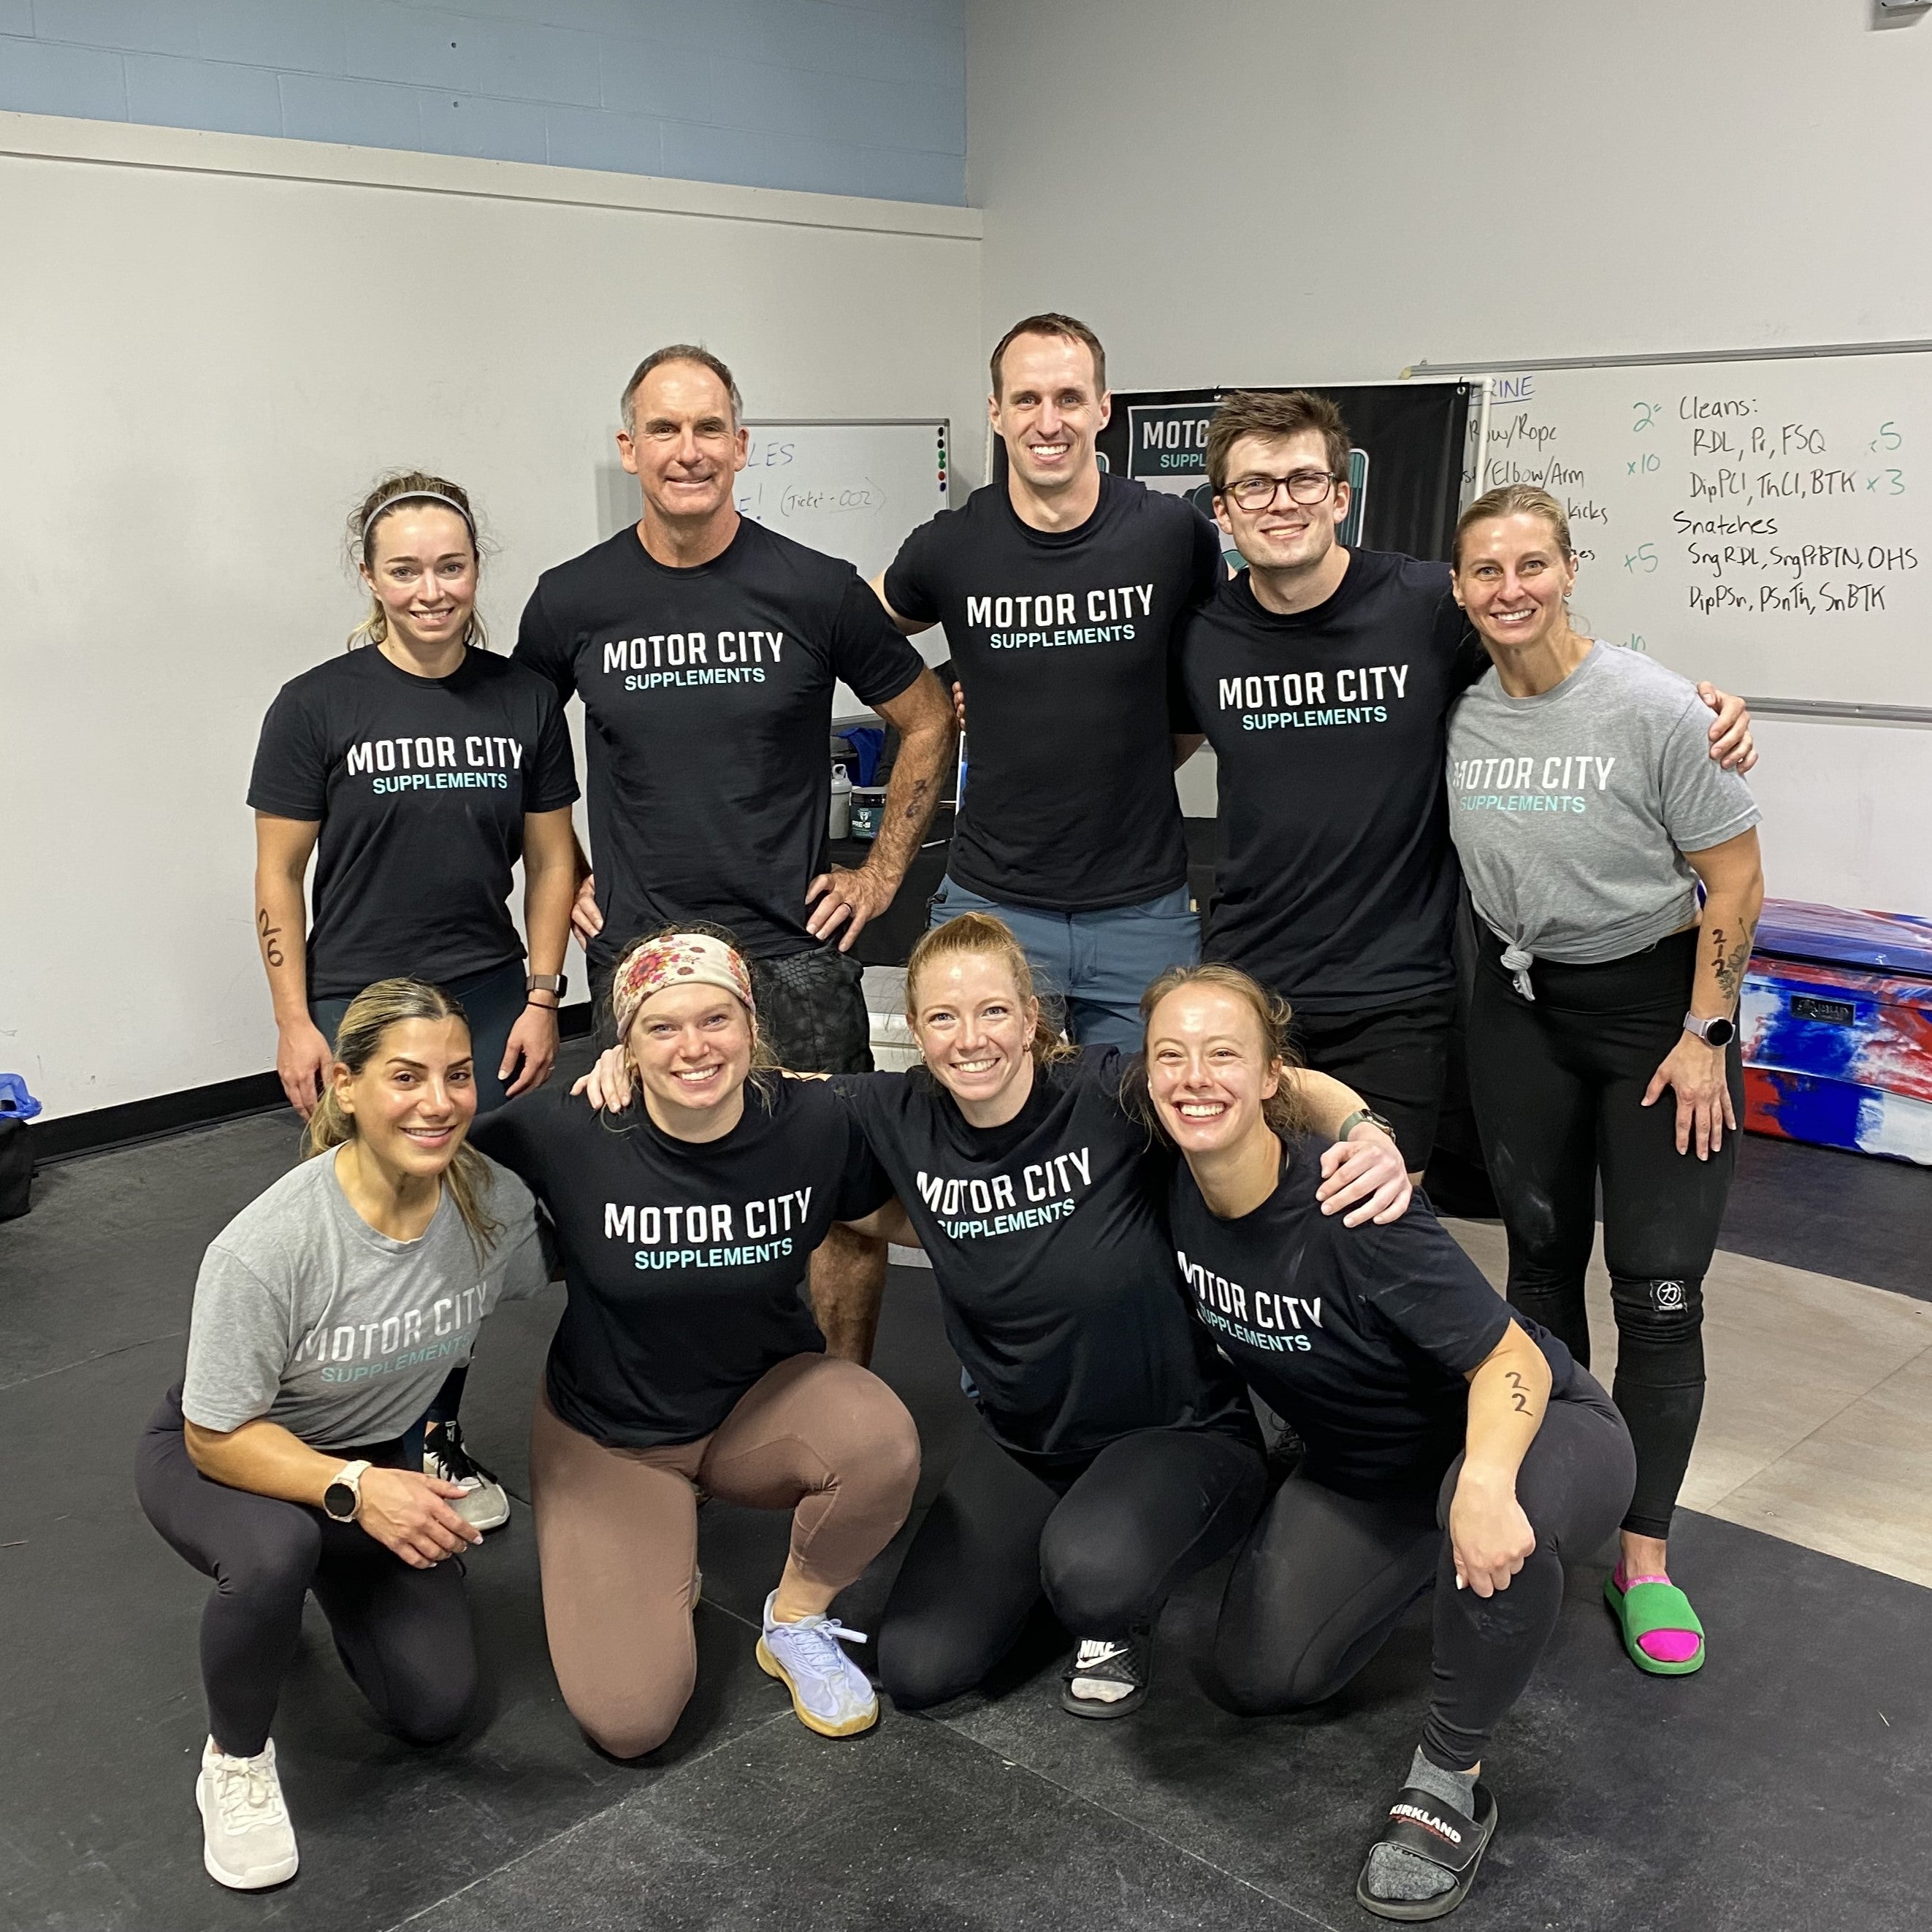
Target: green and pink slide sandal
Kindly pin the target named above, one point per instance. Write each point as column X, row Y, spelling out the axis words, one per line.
column 1660, row 1630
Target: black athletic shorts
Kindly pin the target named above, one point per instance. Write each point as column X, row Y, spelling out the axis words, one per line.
column 811, row 1010
column 1396, row 1057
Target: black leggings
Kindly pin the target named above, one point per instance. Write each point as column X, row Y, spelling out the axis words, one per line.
column 1106, row 1544
column 1326, row 1577
column 404, row 1634
column 1557, row 1083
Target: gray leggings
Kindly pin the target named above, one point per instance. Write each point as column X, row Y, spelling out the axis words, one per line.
column 1326, row 1577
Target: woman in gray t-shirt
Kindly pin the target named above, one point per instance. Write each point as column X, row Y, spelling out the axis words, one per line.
column 326, row 1315
column 1587, row 813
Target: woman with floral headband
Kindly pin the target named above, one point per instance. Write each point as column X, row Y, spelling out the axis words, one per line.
column 688, row 1356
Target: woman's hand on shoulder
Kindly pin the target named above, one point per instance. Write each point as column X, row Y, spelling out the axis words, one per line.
column 409, row 1513
column 1364, row 1178
column 608, row 1085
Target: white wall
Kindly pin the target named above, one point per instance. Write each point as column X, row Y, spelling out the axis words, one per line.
column 210, row 345
column 1247, row 190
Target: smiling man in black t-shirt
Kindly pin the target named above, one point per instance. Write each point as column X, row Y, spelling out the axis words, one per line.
column 1060, row 588
column 1323, row 678
column 705, row 648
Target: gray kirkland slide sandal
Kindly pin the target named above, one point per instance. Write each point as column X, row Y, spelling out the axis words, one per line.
column 1422, row 1825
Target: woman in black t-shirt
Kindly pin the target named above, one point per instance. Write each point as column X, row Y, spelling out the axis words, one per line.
column 422, row 768
column 1118, row 1455
column 1447, row 1438
column 686, row 1356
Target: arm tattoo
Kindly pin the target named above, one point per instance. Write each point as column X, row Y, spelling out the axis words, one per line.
column 1518, row 1397
column 1731, row 964
column 272, row 949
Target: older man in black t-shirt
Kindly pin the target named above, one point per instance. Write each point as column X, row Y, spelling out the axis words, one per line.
column 1323, row 678
column 705, row 648
column 1060, row 589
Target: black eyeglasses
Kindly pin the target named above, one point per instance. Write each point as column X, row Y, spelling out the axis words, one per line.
column 1304, row 486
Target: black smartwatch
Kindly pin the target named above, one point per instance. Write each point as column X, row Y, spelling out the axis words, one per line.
column 343, row 1496
column 1713, row 1033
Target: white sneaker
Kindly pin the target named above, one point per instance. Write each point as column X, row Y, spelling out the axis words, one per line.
column 246, row 1841
column 484, row 1502
column 831, row 1694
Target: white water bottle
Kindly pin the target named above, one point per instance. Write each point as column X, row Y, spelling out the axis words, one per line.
column 841, row 826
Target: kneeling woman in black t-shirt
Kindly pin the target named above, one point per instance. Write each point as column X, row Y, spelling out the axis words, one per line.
column 686, row 1357
column 1426, row 1406
column 1119, row 1455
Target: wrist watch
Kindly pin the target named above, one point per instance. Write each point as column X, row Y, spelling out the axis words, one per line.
column 343, row 1496
column 1719, row 1032
column 1355, row 1120
column 547, row 982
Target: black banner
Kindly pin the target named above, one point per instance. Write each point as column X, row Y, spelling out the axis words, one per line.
column 1406, row 464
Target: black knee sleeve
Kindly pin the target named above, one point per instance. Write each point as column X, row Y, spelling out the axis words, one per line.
column 1660, row 1386
column 1659, row 1329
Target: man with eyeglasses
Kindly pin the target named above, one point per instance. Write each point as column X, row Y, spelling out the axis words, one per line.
column 1323, row 678
column 1060, row 589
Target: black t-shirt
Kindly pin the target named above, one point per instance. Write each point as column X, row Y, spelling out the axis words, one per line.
column 1337, row 882
column 1360, row 1337
column 421, row 784
column 707, row 705
column 1054, row 1268
column 1063, row 640
column 684, row 1262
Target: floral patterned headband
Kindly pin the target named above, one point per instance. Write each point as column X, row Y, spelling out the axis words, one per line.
column 677, row 959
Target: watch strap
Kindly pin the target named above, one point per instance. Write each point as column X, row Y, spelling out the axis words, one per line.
column 546, row 983
column 1354, row 1120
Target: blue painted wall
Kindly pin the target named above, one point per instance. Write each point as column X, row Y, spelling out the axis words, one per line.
column 843, row 98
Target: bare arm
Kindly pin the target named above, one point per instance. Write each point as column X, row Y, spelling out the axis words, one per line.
column 924, row 721
column 1508, row 1392
column 282, row 847
column 402, row 1509
column 908, row 626
column 1733, row 880
column 550, row 883
column 1364, row 1174
column 888, row 1223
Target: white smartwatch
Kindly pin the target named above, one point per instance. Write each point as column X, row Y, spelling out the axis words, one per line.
column 1719, row 1032
column 343, row 1497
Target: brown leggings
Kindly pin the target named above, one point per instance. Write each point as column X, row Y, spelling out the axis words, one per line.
column 617, row 1529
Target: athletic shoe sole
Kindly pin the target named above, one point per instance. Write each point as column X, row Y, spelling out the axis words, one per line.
column 485, row 1516
column 852, row 1726
column 1097, row 1707
column 256, row 1882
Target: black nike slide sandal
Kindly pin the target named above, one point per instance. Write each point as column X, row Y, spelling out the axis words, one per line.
column 1422, row 1824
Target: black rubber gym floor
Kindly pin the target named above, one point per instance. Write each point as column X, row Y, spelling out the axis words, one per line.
column 1784, row 1787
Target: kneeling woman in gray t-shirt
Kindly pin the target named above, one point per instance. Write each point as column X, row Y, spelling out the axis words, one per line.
column 326, row 1315
column 1586, row 811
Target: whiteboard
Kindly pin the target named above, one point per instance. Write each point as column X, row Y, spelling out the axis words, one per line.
column 1760, row 523
column 854, row 490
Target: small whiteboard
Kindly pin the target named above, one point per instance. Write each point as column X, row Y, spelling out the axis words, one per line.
column 854, row 490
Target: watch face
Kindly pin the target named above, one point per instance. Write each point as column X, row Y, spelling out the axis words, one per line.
column 1720, row 1032
column 339, row 1500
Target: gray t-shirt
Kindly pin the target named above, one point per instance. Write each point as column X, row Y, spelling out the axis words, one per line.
column 304, row 1314
column 1572, row 810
